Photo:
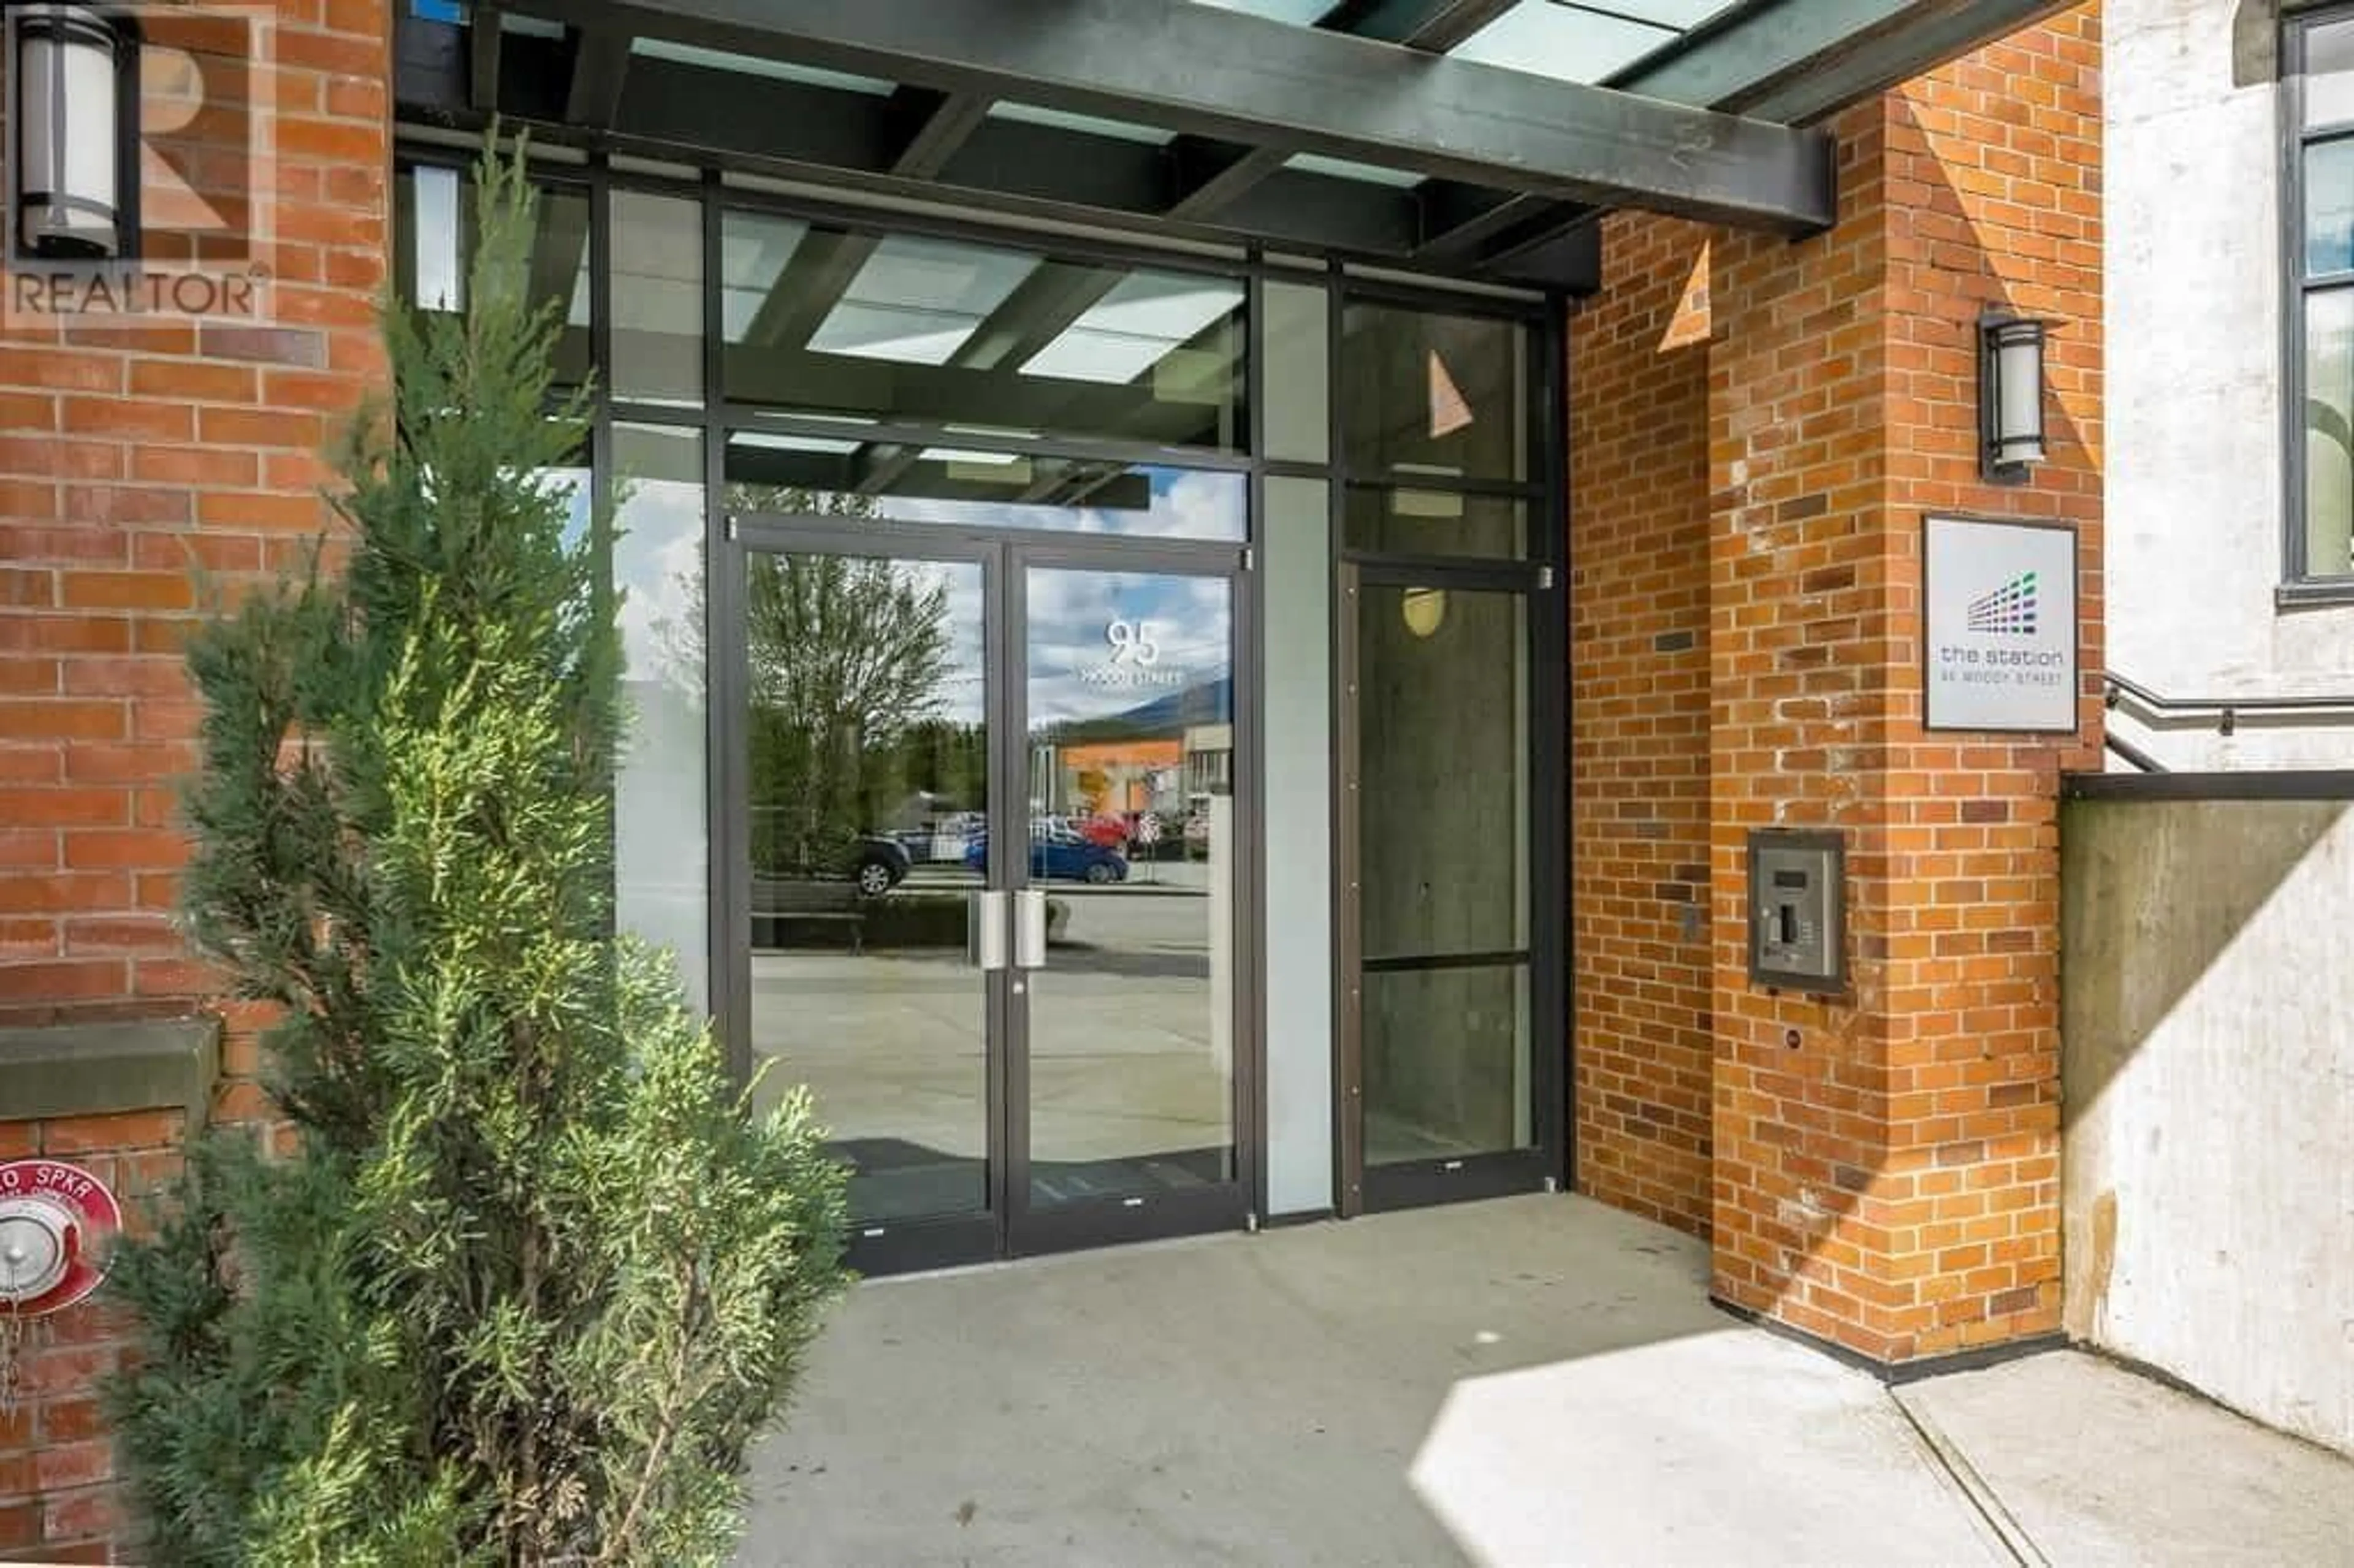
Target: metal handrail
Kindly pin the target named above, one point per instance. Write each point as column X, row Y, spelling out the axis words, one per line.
column 2116, row 689
column 2133, row 754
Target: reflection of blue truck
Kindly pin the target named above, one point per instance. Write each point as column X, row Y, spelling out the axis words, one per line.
column 1058, row 854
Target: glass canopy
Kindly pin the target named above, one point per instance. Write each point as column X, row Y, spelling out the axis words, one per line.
column 1474, row 140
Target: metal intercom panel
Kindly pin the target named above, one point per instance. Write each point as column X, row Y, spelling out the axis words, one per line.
column 1798, row 909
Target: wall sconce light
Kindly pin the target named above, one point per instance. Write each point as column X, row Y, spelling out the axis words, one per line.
column 2010, row 397
column 1425, row 609
column 74, row 108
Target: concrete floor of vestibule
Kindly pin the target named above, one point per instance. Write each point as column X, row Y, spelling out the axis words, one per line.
column 1534, row 1381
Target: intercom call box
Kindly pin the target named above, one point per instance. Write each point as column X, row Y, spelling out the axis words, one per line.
column 1798, row 909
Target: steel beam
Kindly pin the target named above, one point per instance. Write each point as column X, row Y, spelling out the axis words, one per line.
column 1794, row 60
column 1238, row 78
column 938, row 125
column 483, row 56
column 1432, row 27
column 828, row 135
column 600, row 63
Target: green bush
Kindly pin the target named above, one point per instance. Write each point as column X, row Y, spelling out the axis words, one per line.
column 531, row 1279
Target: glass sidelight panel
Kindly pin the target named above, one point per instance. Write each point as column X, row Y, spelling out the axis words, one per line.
column 1445, row 862
column 660, row 849
column 1445, row 1061
column 1433, row 396
column 868, row 783
column 1130, row 1040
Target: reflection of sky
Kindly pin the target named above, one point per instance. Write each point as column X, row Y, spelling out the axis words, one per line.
column 1074, row 665
column 1075, row 668
column 963, row 689
column 657, row 561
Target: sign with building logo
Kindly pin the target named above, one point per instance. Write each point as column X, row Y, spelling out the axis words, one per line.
column 140, row 180
column 1999, row 615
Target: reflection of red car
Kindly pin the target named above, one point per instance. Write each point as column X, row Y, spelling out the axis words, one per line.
column 1104, row 833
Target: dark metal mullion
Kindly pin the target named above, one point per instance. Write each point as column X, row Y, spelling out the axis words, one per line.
column 726, row 715
column 885, row 541
column 482, row 40
column 2294, row 479
column 746, row 418
column 1430, row 963
column 1553, row 793
column 1452, row 484
column 1250, row 783
column 1246, row 914
column 1349, row 929
column 1008, row 1048
column 1466, row 574
column 1438, row 298
column 888, row 539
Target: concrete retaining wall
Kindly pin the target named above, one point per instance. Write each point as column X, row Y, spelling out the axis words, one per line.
column 2209, row 1076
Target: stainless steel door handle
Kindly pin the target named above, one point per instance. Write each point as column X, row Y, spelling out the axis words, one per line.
column 1030, row 929
column 985, row 931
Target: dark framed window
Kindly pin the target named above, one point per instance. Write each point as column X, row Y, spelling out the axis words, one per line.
column 2318, row 70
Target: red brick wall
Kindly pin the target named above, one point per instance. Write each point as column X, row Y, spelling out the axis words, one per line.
column 1887, row 1165
column 57, row 1466
column 1640, row 1040
column 129, row 457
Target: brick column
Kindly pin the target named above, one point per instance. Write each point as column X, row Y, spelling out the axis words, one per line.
column 1886, row 1170
column 130, row 458
column 1638, row 673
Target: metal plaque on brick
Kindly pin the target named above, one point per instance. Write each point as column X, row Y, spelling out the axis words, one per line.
column 1999, row 625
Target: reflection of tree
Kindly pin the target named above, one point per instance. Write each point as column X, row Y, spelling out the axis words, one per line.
column 849, row 660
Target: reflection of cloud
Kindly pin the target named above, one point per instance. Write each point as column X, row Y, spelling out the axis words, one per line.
column 657, row 566
column 1075, row 669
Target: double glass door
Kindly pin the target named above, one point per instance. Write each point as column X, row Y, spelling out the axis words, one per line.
column 987, row 850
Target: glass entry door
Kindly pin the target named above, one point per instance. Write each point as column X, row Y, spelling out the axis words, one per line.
column 1125, row 1086
column 1011, row 1051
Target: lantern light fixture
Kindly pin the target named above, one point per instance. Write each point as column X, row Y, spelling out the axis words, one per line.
column 1425, row 609
column 2010, row 397
column 72, row 119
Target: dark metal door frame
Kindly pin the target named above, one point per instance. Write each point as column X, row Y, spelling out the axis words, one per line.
column 1138, row 1217
column 1359, row 1187
column 1010, row 1226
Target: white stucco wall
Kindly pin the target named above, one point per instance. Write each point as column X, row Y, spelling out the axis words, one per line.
column 2194, row 407
column 2208, row 1080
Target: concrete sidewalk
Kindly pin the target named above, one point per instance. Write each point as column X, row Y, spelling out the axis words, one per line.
column 1540, row 1381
